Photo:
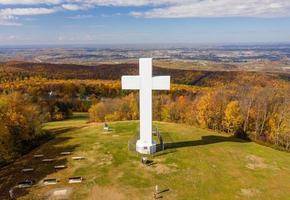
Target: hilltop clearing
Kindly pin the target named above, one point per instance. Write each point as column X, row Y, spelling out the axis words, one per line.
column 197, row 164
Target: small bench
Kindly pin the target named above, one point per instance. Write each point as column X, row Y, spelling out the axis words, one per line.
column 59, row 167
column 65, row 153
column 78, row 158
column 48, row 160
column 76, row 179
column 27, row 170
column 50, row 181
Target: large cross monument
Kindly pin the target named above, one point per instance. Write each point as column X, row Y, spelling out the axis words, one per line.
column 145, row 83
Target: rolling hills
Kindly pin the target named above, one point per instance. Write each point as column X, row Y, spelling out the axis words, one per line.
column 12, row 71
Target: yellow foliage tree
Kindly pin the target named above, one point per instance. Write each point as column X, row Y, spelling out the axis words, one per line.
column 203, row 110
column 233, row 119
column 97, row 112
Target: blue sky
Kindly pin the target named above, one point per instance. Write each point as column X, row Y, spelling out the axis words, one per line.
column 59, row 22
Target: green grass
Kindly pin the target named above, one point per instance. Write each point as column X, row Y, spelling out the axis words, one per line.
column 198, row 164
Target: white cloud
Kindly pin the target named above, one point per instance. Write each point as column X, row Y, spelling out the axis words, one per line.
column 71, row 7
column 9, row 16
column 14, row 2
column 94, row 2
column 220, row 8
column 132, row 2
column 26, row 11
column 175, row 8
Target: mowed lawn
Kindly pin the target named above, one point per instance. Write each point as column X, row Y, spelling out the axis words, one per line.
column 197, row 164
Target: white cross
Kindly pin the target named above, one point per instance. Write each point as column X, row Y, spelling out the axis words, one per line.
column 145, row 83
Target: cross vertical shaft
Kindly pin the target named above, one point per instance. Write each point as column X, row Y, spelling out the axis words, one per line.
column 145, row 98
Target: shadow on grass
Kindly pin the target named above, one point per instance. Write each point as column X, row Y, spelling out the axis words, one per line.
column 12, row 174
column 205, row 140
column 79, row 116
column 57, row 131
column 163, row 191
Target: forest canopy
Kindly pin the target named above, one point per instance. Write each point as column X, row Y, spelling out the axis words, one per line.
column 20, row 125
column 249, row 105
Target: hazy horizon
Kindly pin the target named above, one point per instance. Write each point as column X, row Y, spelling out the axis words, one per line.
column 147, row 45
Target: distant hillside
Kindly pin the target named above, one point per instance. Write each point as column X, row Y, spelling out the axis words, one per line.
column 19, row 70
column 280, row 66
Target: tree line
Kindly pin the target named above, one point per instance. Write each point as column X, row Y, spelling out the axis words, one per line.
column 62, row 97
column 249, row 105
column 27, row 103
column 20, row 126
column 252, row 107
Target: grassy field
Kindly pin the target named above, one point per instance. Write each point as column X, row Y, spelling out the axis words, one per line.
column 197, row 164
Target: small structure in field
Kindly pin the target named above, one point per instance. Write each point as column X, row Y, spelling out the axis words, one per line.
column 50, row 181
column 38, row 156
column 59, row 167
column 25, row 170
column 78, row 158
column 146, row 161
column 64, row 153
column 106, row 127
column 76, row 179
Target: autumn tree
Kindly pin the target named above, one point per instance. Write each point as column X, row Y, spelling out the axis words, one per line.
column 233, row 120
column 98, row 112
column 20, row 121
column 203, row 110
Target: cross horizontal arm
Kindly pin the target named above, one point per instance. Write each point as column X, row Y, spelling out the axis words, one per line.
column 161, row 83
column 130, row 82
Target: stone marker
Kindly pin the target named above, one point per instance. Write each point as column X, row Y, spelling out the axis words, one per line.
column 27, row 170
column 78, row 158
column 76, row 179
column 65, row 153
column 145, row 83
column 59, row 167
column 50, row 181
column 156, row 189
column 38, row 156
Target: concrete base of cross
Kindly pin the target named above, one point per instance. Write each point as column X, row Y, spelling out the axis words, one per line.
column 145, row 148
